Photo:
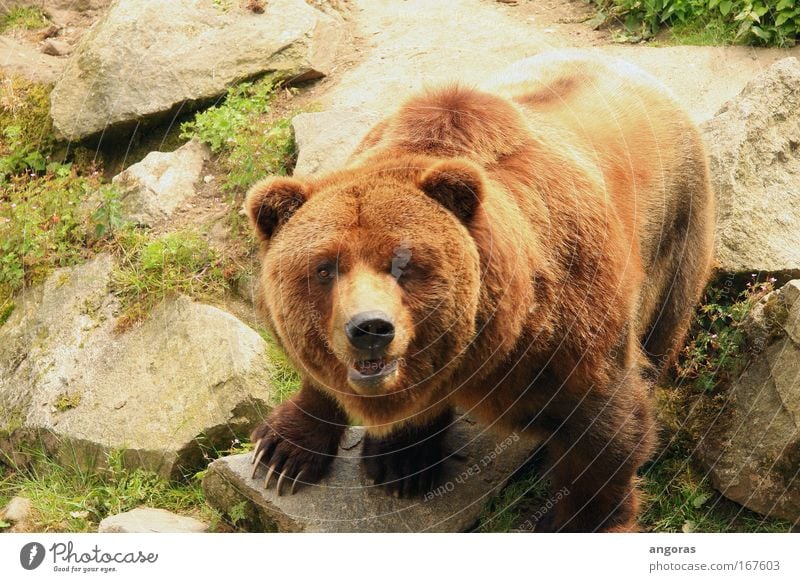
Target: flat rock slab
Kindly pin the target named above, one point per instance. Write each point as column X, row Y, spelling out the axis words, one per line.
column 481, row 464
column 150, row 520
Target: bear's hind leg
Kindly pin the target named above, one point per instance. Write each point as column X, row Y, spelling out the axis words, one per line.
column 598, row 443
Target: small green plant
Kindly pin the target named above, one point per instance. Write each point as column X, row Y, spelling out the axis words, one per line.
column 238, row 512
column 107, row 217
column 23, row 17
column 715, row 351
column 757, row 22
column 251, row 140
column 153, row 269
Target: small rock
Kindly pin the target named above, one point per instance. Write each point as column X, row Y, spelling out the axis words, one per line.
column 18, row 510
column 150, row 520
column 152, row 189
column 24, row 60
column 51, row 31
column 56, row 48
column 343, row 502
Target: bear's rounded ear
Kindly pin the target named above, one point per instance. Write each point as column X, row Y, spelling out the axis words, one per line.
column 455, row 184
column 273, row 201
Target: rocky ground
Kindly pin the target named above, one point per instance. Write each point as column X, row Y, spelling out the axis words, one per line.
column 82, row 373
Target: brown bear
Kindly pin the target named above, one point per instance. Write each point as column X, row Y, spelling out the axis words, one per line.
column 530, row 255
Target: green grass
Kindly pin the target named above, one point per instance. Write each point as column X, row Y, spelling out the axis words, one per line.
column 252, row 139
column 42, row 226
column 24, row 17
column 284, row 378
column 714, row 33
column 677, row 498
column 508, row 509
column 69, row 499
column 153, row 269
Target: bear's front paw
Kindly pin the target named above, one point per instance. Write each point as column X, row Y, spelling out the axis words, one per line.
column 408, row 462
column 295, row 447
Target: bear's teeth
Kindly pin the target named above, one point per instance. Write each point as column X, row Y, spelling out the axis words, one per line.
column 370, row 367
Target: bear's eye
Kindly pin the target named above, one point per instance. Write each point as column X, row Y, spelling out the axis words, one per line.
column 326, row 271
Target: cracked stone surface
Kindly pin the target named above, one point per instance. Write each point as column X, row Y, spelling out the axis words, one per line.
column 480, row 466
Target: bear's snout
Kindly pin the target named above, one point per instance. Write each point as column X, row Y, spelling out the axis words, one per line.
column 369, row 330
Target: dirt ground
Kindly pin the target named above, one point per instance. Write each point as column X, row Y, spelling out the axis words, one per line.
column 398, row 47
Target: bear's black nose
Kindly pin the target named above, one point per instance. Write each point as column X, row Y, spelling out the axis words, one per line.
column 370, row 330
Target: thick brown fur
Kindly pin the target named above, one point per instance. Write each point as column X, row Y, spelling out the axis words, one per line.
column 553, row 237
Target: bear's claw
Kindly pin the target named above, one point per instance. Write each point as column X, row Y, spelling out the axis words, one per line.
column 269, row 476
column 290, row 444
column 256, row 460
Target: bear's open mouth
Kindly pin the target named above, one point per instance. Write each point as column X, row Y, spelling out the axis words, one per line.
column 362, row 370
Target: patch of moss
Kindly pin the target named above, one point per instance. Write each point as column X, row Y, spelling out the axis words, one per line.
column 12, row 421
column 66, row 401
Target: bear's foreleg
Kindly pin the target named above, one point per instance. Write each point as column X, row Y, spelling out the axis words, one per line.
column 299, row 439
column 408, row 461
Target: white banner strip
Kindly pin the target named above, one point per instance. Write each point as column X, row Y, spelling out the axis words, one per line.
column 400, row 557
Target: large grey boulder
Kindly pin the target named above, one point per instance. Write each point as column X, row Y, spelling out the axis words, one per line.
column 148, row 58
column 326, row 139
column 343, row 502
column 751, row 452
column 190, row 376
column 151, row 190
column 754, row 149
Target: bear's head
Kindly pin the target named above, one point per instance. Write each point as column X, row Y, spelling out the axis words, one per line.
column 371, row 278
